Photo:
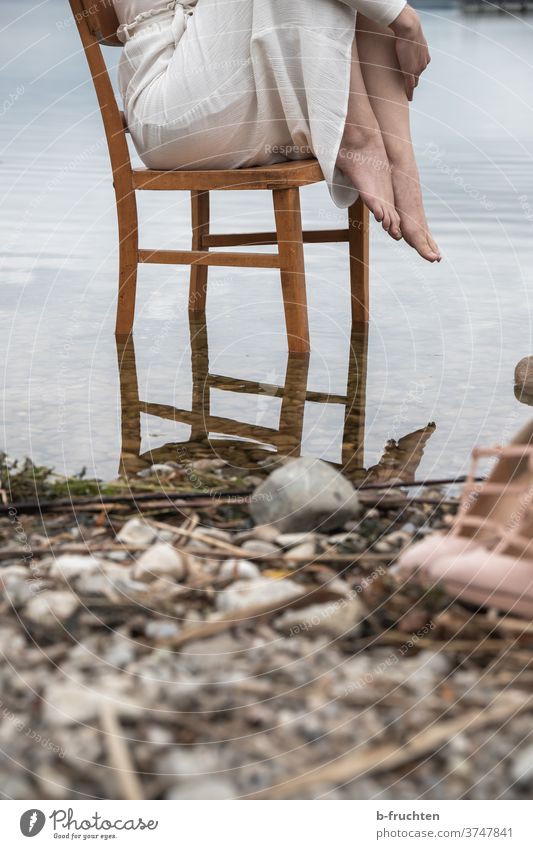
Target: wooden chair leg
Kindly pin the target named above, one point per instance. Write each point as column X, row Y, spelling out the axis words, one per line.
column 200, row 228
column 128, row 234
column 292, row 268
column 358, row 242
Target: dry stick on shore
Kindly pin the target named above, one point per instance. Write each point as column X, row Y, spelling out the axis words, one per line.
column 192, row 499
column 387, row 757
column 119, row 756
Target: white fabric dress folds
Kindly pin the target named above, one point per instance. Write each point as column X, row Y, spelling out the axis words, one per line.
column 237, row 83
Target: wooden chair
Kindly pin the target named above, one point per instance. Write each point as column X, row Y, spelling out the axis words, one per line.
column 240, row 443
column 97, row 24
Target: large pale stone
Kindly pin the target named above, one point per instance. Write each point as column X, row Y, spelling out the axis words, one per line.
column 303, row 495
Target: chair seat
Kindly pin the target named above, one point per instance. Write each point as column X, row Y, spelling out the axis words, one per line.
column 284, row 175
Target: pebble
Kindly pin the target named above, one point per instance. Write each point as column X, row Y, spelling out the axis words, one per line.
column 208, row 465
column 70, row 702
column 202, row 788
column 161, row 629
column 235, row 569
column 156, row 470
column 162, row 560
column 18, row 585
column 396, row 539
column 244, row 594
column 268, row 533
column 119, row 652
column 306, row 549
column 522, row 766
column 136, row 532
column 215, row 533
column 259, row 546
column 304, row 494
column 69, row 566
column 334, row 619
column 51, row 607
column 291, row 540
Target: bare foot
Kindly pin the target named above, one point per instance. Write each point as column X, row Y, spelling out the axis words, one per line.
column 362, row 158
column 408, row 199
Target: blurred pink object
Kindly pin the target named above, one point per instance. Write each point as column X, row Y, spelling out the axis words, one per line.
column 487, row 557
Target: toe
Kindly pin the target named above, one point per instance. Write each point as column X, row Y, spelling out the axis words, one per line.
column 378, row 212
column 433, row 246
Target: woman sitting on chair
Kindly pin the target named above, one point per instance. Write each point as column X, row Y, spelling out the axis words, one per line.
column 238, row 83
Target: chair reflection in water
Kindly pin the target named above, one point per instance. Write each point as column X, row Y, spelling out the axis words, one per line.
column 243, row 445
column 239, row 443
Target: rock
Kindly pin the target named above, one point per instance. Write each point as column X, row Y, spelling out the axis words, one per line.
column 215, row 533
column 396, row 539
column 69, row 566
column 51, row 608
column 191, row 762
column 119, row 652
column 12, row 642
column 259, row 546
column 292, row 540
column 71, row 702
column 15, row 785
column 136, row 532
column 160, row 561
column 268, row 533
column 334, row 619
column 202, row 788
column 113, row 583
column 243, row 594
column 52, row 783
column 161, row 629
column 306, row 549
column 522, row 767
column 303, row 495
column 235, row 569
column 156, row 470
column 18, row 585
column 523, row 378
column 207, row 465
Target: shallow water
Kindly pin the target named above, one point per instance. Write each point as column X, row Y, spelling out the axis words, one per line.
column 442, row 343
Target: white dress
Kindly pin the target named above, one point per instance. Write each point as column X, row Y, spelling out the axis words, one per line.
column 236, row 83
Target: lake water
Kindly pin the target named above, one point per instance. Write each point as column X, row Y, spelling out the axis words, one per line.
column 443, row 341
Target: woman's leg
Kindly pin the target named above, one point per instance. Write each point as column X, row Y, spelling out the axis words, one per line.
column 385, row 87
column 362, row 155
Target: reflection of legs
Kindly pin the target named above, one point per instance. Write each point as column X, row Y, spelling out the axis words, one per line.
column 353, row 447
column 130, row 407
column 362, row 156
column 384, row 84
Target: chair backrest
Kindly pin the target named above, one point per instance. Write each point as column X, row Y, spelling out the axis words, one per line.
column 101, row 20
column 97, row 24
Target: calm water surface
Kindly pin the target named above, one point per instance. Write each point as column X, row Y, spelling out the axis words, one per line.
column 435, row 372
